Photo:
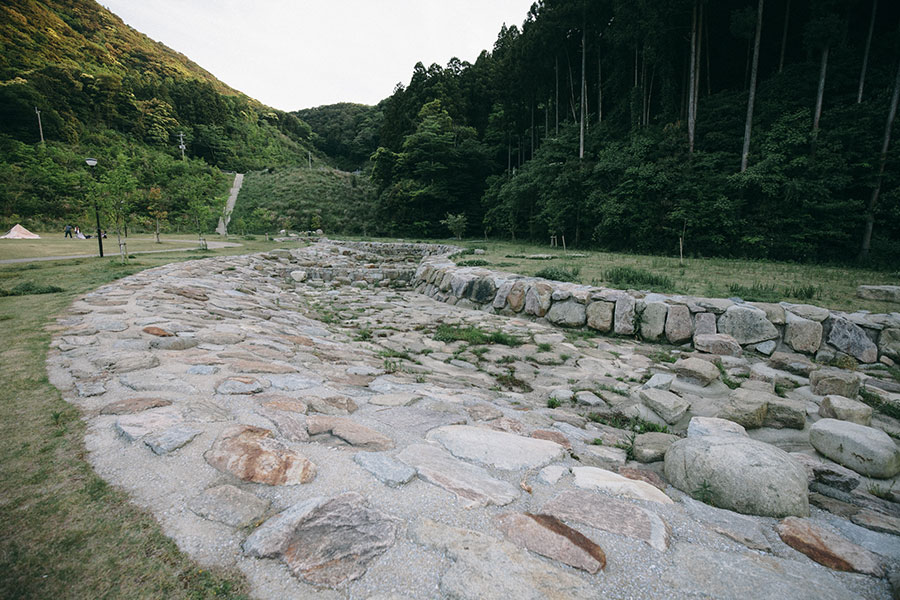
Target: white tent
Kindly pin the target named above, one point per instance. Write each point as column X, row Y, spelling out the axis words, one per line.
column 19, row 233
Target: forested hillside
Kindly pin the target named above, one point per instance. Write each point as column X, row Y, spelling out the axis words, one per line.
column 636, row 124
column 107, row 91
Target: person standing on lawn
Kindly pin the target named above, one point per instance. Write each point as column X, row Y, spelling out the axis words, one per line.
column 68, row 231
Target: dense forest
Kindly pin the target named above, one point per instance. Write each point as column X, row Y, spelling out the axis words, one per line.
column 75, row 76
column 638, row 125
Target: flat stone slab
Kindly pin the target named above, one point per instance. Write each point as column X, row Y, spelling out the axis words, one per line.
column 399, row 399
column 136, row 426
column 387, row 470
column 548, row 536
column 416, row 420
column 171, row 439
column 612, row 483
column 496, row 448
column 866, row 450
column 133, row 405
column 253, row 454
column 343, row 432
column 470, row 483
column 229, row 505
column 491, row 569
column 827, row 548
column 608, row 514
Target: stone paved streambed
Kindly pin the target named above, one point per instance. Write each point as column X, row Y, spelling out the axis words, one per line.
column 324, row 432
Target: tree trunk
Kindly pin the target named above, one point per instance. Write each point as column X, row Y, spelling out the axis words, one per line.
column 583, row 88
column 821, row 93
column 784, row 32
column 692, row 118
column 873, row 201
column 532, row 128
column 557, row 96
column 157, row 231
column 748, row 125
column 599, row 85
column 862, row 73
column 696, row 90
column 708, row 77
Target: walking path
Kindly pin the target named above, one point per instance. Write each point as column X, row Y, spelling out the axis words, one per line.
column 330, row 440
column 224, row 220
column 210, row 245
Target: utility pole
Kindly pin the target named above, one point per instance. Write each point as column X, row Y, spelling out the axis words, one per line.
column 40, row 127
column 92, row 163
column 181, row 144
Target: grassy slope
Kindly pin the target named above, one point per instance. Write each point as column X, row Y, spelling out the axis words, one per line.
column 64, row 533
column 290, row 197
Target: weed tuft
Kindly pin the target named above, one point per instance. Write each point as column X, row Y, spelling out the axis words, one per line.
column 638, row 278
column 560, row 274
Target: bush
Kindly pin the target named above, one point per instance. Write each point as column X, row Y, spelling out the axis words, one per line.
column 637, row 278
column 560, row 274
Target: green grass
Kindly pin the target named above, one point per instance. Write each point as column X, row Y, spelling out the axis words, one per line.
column 54, row 244
column 474, row 335
column 632, row 277
column 29, row 288
column 560, row 274
column 829, row 286
column 64, row 532
column 874, row 400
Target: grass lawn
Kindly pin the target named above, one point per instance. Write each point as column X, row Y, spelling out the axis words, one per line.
column 763, row 281
column 54, row 244
column 65, row 533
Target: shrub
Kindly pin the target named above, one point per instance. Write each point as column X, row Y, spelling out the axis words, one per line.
column 638, row 278
column 560, row 274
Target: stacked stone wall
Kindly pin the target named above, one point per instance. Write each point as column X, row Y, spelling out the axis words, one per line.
column 718, row 325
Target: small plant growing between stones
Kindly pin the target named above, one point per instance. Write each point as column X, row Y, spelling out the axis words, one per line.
column 505, row 360
column 565, row 357
column 597, row 442
column 544, row 347
column 553, row 403
column 879, row 491
column 390, row 366
column 363, row 335
column 731, row 383
column 628, row 446
column 705, row 494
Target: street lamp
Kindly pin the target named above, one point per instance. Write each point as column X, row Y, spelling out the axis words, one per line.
column 92, row 163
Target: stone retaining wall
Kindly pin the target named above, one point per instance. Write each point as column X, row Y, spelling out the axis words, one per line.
column 717, row 325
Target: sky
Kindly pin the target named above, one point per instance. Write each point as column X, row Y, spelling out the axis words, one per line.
column 293, row 54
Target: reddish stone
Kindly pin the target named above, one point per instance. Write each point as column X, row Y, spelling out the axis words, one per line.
column 553, row 436
column 157, row 332
column 827, row 548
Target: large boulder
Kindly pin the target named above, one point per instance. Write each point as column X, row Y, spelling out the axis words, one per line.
column 889, row 343
column 600, row 315
column 739, row 474
column 851, row 339
column 624, row 317
column 568, row 313
column 747, row 325
column 866, row 450
column 679, row 327
column 696, row 370
column 885, row 293
column 653, row 320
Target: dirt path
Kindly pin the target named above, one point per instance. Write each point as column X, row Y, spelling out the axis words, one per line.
column 222, row 228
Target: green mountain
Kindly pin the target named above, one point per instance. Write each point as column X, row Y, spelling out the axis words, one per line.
column 108, row 91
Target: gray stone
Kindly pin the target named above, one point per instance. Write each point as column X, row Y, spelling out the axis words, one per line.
column 496, row 448
column 592, row 478
column 885, row 293
column 567, row 314
column 651, row 447
column 171, row 439
column 538, row 299
column 666, row 404
column 747, row 325
column 827, row 473
column 653, row 320
column 562, row 395
column 739, row 474
column 659, row 381
column 291, row 424
column 766, row 348
column 240, row 385
column 600, row 315
column 229, row 505
column 133, row 405
column 889, row 343
column 678, row 324
column 551, row 474
column 700, row 426
column 808, row 311
column 156, row 382
column 292, row 383
column 340, row 431
column 485, row 568
column 774, row 312
column 792, row 363
column 717, row 343
column 803, row 335
column 845, row 409
column 332, row 542
column 203, row 370
column 852, row 340
column 416, row 421
column 784, row 413
column 483, row 290
column 470, row 483
column 836, row 382
column 704, row 323
column 271, row 538
column 864, row 449
column 625, row 315
column 744, row 530
column 696, row 370
column 174, row 343
column 88, row 389
column 398, row 399
column 484, row 412
column 127, row 363
column 589, row 399
column 135, row 426
column 331, row 405
column 609, row 514
column 388, row 471
column 738, row 576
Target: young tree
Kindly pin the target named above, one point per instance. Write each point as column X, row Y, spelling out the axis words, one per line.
column 456, row 224
column 748, row 123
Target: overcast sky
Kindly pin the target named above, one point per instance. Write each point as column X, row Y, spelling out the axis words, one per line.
column 294, row 54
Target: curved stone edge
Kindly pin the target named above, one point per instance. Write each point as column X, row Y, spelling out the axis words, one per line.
column 676, row 319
